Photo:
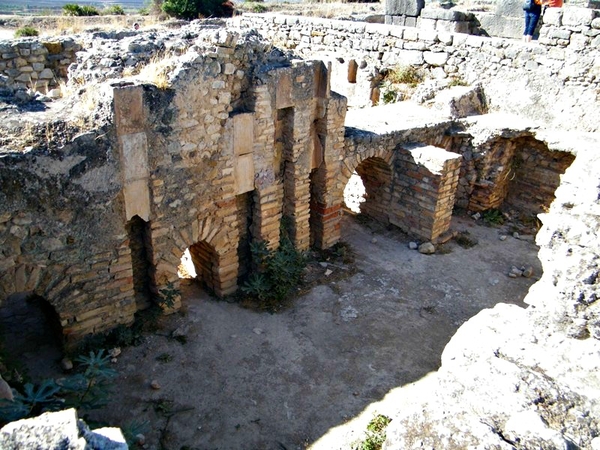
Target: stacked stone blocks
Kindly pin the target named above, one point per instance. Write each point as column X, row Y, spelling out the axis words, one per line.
column 33, row 64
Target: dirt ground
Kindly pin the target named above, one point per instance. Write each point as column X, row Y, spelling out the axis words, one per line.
column 253, row 380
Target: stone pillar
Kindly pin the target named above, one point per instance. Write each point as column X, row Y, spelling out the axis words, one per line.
column 426, row 183
column 133, row 150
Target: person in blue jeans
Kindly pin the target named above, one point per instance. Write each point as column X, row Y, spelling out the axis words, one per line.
column 532, row 17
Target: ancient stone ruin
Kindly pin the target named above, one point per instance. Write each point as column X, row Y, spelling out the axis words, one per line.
column 231, row 128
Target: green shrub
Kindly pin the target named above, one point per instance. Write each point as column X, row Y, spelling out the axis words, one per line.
column 493, row 217
column 89, row 11
column 73, row 9
column 278, row 273
column 26, row 31
column 192, row 9
column 114, row 10
column 257, row 7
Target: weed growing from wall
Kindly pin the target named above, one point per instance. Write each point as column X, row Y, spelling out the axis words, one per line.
column 399, row 82
column 278, row 273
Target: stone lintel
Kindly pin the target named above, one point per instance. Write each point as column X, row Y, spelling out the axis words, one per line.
column 244, row 173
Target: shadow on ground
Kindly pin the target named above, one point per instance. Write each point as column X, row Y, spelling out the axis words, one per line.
column 249, row 380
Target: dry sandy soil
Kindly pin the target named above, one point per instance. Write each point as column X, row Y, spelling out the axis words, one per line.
column 254, row 380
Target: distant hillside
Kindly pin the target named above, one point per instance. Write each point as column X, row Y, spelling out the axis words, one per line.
column 48, row 6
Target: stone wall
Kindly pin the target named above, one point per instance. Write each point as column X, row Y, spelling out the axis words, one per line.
column 240, row 137
column 36, row 64
column 62, row 233
column 549, row 82
column 524, row 378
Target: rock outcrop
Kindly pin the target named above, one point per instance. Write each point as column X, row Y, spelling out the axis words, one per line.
column 59, row 430
column 515, row 378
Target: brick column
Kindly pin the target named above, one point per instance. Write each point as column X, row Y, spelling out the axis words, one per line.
column 327, row 203
column 426, row 183
column 267, row 214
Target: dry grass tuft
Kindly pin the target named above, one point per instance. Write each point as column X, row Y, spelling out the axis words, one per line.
column 157, row 71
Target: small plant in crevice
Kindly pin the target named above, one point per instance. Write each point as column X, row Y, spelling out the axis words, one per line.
column 168, row 295
column 376, row 433
column 278, row 273
column 493, row 217
column 398, row 83
column 457, row 81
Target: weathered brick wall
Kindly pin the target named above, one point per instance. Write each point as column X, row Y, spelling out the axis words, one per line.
column 241, row 138
column 535, row 175
column 62, row 235
column 547, row 82
column 408, row 184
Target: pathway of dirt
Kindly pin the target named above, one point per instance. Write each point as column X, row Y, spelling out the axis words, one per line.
column 250, row 380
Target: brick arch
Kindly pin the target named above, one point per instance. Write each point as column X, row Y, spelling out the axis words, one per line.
column 211, row 237
column 350, row 163
column 47, row 282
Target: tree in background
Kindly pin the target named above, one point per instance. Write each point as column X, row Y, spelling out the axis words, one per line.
column 193, row 9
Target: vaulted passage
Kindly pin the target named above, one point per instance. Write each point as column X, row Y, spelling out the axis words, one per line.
column 29, row 324
column 376, row 176
column 519, row 176
column 140, row 244
column 536, row 176
column 204, row 263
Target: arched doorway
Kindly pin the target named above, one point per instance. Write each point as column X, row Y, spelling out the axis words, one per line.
column 369, row 189
column 199, row 262
column 30, row 327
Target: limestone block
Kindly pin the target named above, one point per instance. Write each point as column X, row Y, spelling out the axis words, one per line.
column 553, row 16
column 284, row 89
column 410, row 57
column 426, row 24
column 578, row 42
column 443, row 14
column 134, row 156
column 573, row 16
column 244, row 173
column 404, row 7
column 432, row 158
column 129, row 113
column 137, row 199
column 410, row 22
column 47, row 74
column 243, row 133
